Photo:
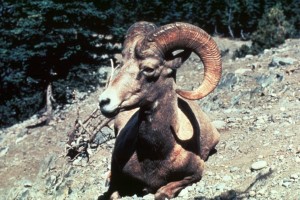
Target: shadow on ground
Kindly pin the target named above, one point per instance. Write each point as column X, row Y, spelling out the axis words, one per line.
column 235, row 194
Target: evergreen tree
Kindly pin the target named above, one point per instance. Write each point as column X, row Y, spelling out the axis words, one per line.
column 65, row 42
column 46, row 42
column 272, row 31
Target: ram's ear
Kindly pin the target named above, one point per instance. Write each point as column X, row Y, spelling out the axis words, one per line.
column 175, row 61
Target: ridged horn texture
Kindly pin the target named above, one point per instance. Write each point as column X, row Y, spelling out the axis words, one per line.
column 136, row 32
column 178, row 35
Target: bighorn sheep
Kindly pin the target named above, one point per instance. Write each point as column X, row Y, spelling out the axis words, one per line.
column 161, row 146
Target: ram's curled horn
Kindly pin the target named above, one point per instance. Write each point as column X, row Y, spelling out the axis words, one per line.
column 176, row 36
column 136, row 32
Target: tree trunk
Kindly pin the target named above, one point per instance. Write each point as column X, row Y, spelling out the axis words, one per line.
column 230, row 31
column 229, row 23
column 49, row 99
column 47, row 115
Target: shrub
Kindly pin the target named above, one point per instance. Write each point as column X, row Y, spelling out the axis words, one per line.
column 272, row 31
column 242, row 51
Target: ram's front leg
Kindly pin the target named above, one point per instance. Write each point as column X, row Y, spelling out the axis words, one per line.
column 173, row 188
column 112, row 192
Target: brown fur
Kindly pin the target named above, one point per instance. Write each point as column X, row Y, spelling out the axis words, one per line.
column 160, row 148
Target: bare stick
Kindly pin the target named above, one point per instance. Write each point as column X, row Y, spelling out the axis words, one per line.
column 102, row 124
column 113, row 68
column 81, row 124
column 88, row 128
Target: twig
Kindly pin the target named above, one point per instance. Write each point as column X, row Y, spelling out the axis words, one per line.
column 111, row 73
column 80, row 138
column 84, row 132
column 103, row 124
column 81, row 124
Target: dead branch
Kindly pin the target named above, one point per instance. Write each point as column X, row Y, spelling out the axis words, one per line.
column 82, row 137
column 46, row 117
column 84, row 133
column 103, row 123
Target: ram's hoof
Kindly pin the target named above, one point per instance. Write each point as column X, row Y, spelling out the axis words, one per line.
column 161, row 196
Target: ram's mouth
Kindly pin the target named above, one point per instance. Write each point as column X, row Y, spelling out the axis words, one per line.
column 109, row 112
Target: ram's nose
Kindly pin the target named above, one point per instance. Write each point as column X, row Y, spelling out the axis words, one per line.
column 104, row 102
column 108, row 107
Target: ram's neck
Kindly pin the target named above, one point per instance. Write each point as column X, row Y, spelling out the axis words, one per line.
column 157, row 124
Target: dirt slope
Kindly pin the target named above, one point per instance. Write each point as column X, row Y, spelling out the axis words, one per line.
column 256, row 108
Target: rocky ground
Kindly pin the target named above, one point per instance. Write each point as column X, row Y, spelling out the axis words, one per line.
column 256, row 108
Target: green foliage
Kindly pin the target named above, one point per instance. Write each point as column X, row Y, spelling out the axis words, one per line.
column 65, row 42
column 272, row 31
column 242, row 51
column 48, row 41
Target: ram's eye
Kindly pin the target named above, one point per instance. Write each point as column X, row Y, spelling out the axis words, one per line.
column 148, row 71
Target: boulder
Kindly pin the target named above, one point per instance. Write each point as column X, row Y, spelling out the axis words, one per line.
column 280, row 61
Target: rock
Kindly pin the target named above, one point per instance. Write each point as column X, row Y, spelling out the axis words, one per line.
column 286, row 184
column 234, row 169
column 252, row 193
column 183, row 193
column 192, row 187
column 298, row 149
column 103, row 136
column 294, row 176
column 77, row 161
column 200, row 187
column 280, row 61
column 249, row 56
column 219, row 124
column 231, row 194
column 266, row 51
column 20, row 139
column 27, row 183
column 217, row 177
column 209, row 173
column 228, row 81
column 262, row 191
column 148, row 197
column 3, row 151
column 265, row 80
column 22, row 195
column 259, row 165
column 81, row 95
column 221, row 186
column 274, row 192
column 227, row 178
column 260, row 156
column 242, row 71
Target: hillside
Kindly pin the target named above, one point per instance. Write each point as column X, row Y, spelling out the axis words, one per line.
column 256, row 108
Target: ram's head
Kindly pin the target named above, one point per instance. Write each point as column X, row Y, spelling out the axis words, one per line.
column 148, row 68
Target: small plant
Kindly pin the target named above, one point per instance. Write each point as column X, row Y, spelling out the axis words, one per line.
column 242, row 51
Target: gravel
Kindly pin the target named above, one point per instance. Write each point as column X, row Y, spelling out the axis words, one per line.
column 255, row 107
